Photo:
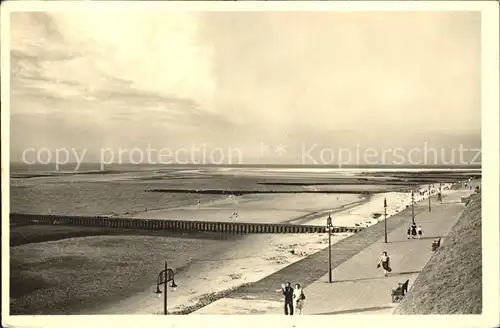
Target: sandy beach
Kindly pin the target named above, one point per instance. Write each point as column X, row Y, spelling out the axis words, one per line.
column 257, row 256
column 204, row 270
column 251, row 259
column 262, row 208
column 228, row 148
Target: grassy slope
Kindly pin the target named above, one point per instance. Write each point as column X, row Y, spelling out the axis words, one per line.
column 451, row 283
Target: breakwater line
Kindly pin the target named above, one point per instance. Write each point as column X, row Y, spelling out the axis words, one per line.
column 244, row 192
column 175, row 225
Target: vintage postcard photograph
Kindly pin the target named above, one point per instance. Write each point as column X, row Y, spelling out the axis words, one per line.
column 296, row 163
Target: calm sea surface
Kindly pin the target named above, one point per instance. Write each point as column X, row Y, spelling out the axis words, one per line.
column 123, row 190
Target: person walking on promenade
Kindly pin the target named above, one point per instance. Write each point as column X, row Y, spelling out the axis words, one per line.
column 408, row 232
column 413, row 231
column 288, row 292
column 384, row 262
column 419, row 232
column 299, row 297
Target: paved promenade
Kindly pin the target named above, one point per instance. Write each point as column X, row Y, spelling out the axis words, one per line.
column 362, row 287
column 358, row 287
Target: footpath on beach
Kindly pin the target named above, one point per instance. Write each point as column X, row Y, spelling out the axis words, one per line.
column 358, row 286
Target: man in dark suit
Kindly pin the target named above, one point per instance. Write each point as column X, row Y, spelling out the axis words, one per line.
column 288, row 292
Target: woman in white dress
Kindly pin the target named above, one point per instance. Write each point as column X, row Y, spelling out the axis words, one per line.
column 384, row 262
column 299, row 297
column 420, row 231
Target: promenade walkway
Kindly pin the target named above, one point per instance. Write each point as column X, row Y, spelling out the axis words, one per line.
column 358, row 287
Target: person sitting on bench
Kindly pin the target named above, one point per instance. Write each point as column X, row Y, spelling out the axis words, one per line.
column 400, row 291
column 404, row 287
column 436, row 243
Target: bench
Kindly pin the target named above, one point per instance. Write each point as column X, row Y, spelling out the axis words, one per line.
column 435, row 244
column 400, row 291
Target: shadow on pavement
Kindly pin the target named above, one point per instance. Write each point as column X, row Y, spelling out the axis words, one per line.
column 393, row 274
column 407, row 240
column 367, row 309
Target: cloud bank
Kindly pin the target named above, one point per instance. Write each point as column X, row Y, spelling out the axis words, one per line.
column 94, row 80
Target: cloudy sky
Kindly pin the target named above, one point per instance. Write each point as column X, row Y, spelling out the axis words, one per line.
column 94, row 80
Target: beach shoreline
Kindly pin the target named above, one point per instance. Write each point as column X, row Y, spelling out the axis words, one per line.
column 207, row 275
column 311, row 243
column 236, row 263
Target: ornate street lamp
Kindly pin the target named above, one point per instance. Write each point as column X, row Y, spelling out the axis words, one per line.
column 164, row 277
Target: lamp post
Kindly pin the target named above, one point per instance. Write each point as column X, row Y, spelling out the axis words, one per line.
column 412, row 207
column 329, row 230
column 440, row 194
column 164, row 277
column 385, row 220
column 429, row 191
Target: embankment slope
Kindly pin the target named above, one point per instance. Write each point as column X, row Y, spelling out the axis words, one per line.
column 451, row 283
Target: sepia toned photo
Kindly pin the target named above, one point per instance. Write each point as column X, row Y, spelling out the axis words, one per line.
column 245, row 162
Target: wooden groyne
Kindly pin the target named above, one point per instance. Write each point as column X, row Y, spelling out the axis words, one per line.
column 175, row 225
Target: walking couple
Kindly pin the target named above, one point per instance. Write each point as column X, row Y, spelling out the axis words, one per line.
column 413, row 230
column 294, row 298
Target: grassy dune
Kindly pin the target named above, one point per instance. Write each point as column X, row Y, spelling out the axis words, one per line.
column 451, row 283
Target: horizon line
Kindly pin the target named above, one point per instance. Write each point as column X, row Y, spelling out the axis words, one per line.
column 260, row 164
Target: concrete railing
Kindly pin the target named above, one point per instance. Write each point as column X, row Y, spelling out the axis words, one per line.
column 176, row 225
